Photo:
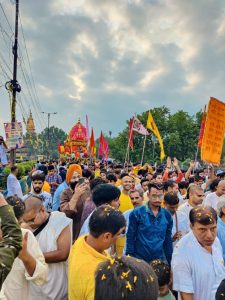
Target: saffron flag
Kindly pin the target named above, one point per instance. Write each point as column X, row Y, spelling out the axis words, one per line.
column 106, row 147
column 152, row 126
column 131, row 134
column 103, row 150
column 138, row 127
column 101, row 145
column 87, row 131
column 92, row 143
column 212, row 142
column 202, row 129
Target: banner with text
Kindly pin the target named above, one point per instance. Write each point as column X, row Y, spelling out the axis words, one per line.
column 213, row 138
column 14, row 135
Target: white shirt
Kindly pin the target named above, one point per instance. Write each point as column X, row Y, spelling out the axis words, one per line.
column 195, row 270
column 13, row 186
column 185, row 208
column 212, row 200
column 16, row 286
column 85, row 227
column 183, row 224
column 56, row 287
column 181, row 199
column 45, row 196
column 3, row 156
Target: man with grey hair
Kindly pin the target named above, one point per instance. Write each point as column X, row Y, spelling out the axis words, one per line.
column 137, row 199
column 213, row 198
column 197, row 277
column 221, row 222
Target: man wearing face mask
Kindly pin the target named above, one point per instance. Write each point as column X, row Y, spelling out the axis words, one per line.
column 72, row 200
column 37, row 183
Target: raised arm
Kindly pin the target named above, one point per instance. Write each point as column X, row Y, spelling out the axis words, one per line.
column 12, row 239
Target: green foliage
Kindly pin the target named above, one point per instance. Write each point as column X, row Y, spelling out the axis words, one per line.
column 179, row 132
column 57, row 136
column 37, row 144
column 23, row 169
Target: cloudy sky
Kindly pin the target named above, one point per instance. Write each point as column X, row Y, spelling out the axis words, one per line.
column 112, row 58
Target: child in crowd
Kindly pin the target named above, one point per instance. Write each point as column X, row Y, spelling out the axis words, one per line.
column 162, row 271
column 125, row 278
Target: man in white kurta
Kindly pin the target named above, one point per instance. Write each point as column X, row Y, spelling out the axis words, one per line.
column 213, row 198
column 197, row 262
column 3, row 149
column 13, row 185
column 49, row 228
column 196, row 197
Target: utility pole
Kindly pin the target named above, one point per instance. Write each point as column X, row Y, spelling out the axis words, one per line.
column 48, row 114
column 13, row 85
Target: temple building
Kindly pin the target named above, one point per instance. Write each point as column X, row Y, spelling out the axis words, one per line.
column 30, row 127
column 76, row 142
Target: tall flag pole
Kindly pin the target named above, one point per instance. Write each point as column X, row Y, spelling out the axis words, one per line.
column 87, row 131
column 92, row 143
column 152, row 126
column 130, row 139
column 202, row 129
column 101, row 145
column 201, row 134
column 103, row 150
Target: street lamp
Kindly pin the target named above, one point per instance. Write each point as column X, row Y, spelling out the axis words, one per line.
column 49, row 114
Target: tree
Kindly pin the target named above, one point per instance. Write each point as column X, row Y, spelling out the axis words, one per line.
column 57, row 136
column 179, row 132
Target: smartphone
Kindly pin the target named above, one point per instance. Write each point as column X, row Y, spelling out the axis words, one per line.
column 81, row 180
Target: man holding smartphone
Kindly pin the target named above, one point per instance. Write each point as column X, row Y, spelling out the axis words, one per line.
column 73, row 198
column 3, row 149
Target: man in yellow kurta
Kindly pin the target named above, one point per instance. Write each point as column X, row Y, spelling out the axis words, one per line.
column 106, row 224
column 125, row 201
column 125, row 204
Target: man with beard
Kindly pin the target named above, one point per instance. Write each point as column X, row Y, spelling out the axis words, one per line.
column 150, row 229
column 72, row 200
column 37, row 183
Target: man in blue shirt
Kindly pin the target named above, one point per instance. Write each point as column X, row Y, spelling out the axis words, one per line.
column 150, row 229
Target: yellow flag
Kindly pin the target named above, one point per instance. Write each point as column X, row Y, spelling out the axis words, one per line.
column 152, row 126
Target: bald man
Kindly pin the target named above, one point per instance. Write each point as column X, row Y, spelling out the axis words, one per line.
column 53, row 232
column 213, row 198
column 196, row 197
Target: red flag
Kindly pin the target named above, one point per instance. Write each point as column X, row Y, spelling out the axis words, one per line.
column 106, row 147
column 92, row 143
column 103, row 147
column 202, row 129
column 131, row 134
column 87, row 131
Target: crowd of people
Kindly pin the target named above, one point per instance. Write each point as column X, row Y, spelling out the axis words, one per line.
column 94, row 230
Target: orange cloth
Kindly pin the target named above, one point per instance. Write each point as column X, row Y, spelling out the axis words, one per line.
column 118, row 183
column 46, row 187
column 73, row 168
